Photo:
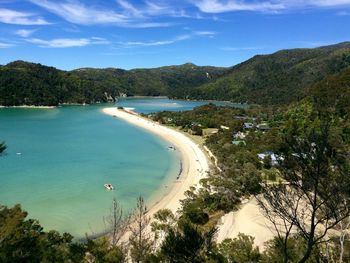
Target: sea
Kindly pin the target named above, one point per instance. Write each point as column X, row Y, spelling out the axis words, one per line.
column 58, row 160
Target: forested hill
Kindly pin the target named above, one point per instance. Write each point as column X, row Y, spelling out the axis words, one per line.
column 279, row 78
column 34, row 84
column 172, row 81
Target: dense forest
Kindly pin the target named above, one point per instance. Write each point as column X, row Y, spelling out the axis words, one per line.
column 23, row 83
column 280, row 78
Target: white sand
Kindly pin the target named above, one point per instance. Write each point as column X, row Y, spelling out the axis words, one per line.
column 29, row 107
column 194, row 162
column 248, row 220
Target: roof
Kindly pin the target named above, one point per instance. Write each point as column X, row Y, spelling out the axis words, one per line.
column 238, row 142
column 248, row 125
column 263, row 126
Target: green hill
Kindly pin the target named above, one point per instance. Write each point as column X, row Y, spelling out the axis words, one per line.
column 280, row 78
column 34, row 84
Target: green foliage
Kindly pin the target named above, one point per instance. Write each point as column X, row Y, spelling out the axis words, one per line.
column 274, row 251
column 240, row 250
column 140, row 242
column 206, row 116
column 164, row 220
column 23, row 240
column 187, row 243
column 34, row 84
column 279, row 78
column 101, row 251
column 195, row 214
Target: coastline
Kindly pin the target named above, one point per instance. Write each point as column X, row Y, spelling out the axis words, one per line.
column 194, row 162
column 27, row 107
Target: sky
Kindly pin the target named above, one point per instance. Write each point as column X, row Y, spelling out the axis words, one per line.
column 70, row 34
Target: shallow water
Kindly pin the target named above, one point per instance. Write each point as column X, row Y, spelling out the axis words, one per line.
column 58, row 160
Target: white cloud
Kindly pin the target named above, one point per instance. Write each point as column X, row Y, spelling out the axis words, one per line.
column 78, row 13
column 217, row 6
column 20, row 18
column 241, row 48
column 330, row 3
column 24, row 32
column 67, row 42
column 129, row 8
column 169, row 41
column 205, row 33
column 5, row 45
column 148, row 44
column 220, row 6
column 144, row 14
column 128, row 15
column 148, row 24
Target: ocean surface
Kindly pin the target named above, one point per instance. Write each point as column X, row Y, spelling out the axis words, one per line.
column 58, row 160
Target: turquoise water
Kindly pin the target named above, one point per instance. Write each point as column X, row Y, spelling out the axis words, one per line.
column 160, row 104
column 68, row 153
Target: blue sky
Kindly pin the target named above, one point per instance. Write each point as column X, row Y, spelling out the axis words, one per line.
column 150, row 33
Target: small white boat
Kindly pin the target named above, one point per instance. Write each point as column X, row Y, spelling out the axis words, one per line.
column 109, row 186
column 172, row 148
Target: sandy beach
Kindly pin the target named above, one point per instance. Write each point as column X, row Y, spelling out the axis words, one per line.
column 248, row 220
column 194, row 162
column 29, row 107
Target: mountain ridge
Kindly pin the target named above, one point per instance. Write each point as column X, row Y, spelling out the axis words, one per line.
column 279, row 78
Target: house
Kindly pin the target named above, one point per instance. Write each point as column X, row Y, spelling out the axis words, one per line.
column 264, row 127
column 238, row 142
column 272, row 155
column 196, row 124
column 238, row 117
column 224, row 127
column 248, row 125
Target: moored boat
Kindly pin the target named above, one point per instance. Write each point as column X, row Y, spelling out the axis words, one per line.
column 109, row 186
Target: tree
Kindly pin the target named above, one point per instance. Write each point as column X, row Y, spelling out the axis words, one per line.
column 274, row 251
column 117, row 222
column 314, row 163
column 101, row 251
column 164, row 221
column 19, row 238
column 344, row 231
column 186, row 243
column 140, row 240
column 23, row 240
column 240, row 249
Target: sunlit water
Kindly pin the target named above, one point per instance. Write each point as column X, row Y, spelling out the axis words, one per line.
column 58, row 160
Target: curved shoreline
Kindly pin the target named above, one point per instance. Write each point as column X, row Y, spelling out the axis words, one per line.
column 194, row 162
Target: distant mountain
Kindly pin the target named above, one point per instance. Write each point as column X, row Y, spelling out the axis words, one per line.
column 34, row 84
column 279, row 78
column 172, row 81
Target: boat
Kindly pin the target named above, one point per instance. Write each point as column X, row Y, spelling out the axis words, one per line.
column 172, row 148
column 109, row 186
